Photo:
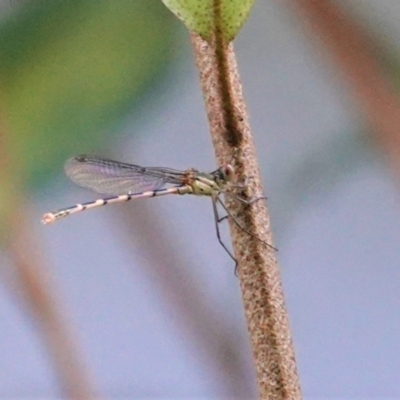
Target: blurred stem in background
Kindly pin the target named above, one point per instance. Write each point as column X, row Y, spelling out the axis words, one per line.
column 354, row 52
column 30, row 281
column 69, row 72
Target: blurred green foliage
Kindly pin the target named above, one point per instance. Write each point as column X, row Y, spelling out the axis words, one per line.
column 70, row 69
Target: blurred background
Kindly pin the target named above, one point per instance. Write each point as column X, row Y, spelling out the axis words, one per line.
column 139, row 300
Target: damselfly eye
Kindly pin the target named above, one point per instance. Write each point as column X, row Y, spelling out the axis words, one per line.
column 227, row 170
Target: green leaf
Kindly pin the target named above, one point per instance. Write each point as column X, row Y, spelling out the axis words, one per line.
column 203, row 16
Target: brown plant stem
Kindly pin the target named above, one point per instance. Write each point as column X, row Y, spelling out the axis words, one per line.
column 355, row 56
column 257, row 265
column 33, row 285
column 209, row 335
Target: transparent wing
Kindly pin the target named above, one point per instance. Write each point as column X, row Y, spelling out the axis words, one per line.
column 113, row 177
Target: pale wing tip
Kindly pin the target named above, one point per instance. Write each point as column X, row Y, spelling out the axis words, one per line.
column 48, row 218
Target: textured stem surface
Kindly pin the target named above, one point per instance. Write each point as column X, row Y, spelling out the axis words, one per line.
column 257, row 265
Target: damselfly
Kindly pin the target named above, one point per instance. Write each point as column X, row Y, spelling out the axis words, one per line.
column 128, row 181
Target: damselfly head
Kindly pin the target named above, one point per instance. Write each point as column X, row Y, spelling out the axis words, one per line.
column 227, row 172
